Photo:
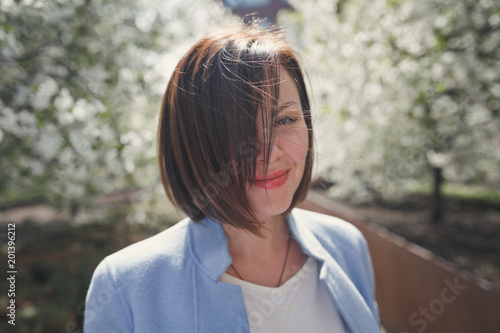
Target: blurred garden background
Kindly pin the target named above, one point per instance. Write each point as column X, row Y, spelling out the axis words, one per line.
column 406, row 107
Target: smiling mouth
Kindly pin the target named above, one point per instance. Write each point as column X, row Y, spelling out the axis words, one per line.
column 273, row 181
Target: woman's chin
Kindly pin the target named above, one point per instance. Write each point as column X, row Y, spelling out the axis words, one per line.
column 272, row 209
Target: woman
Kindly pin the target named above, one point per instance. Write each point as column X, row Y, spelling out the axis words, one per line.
column 235, row 147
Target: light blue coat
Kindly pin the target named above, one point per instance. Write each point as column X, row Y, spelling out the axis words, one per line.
column 170, row 282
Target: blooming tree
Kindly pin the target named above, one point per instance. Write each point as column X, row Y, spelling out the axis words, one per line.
column 80, row 90
column 406, row 91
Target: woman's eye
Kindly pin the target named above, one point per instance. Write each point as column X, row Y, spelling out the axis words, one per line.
column 286, row 120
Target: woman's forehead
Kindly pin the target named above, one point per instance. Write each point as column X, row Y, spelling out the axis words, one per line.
column 288, row 92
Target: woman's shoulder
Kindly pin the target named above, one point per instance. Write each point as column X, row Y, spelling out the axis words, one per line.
column 339, row 238
column 328, row 226
column 342, row 241
column 167, row 247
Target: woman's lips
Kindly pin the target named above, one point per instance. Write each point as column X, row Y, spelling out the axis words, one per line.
column 274, row 180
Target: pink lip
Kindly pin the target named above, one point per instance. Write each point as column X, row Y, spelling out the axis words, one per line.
column 274, row 180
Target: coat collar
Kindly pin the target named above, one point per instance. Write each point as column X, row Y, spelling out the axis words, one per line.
column 209, row 247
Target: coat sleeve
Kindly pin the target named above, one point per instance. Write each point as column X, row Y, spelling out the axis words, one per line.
column 105, row 310
column 369, row 276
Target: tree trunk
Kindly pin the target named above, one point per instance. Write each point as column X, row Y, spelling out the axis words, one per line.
column 437, row 196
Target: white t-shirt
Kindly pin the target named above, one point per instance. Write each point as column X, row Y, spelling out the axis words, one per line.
column 301, row 304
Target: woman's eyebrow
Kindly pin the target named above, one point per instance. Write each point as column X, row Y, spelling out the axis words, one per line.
column 286, row 104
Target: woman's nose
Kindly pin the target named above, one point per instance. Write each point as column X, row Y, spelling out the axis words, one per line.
column 275, row 151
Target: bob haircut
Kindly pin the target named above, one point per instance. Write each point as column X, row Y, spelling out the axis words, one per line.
column 207, row 134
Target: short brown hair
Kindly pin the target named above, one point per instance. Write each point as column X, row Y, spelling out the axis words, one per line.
column 208, row 123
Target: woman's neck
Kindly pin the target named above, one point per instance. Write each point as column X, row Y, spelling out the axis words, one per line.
column 245, row 244
column 268, row 260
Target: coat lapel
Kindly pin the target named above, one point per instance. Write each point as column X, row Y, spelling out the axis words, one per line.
column 347, row 297
column 218, row 306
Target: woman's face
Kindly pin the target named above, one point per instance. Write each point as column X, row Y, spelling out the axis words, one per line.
column 271, row 197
